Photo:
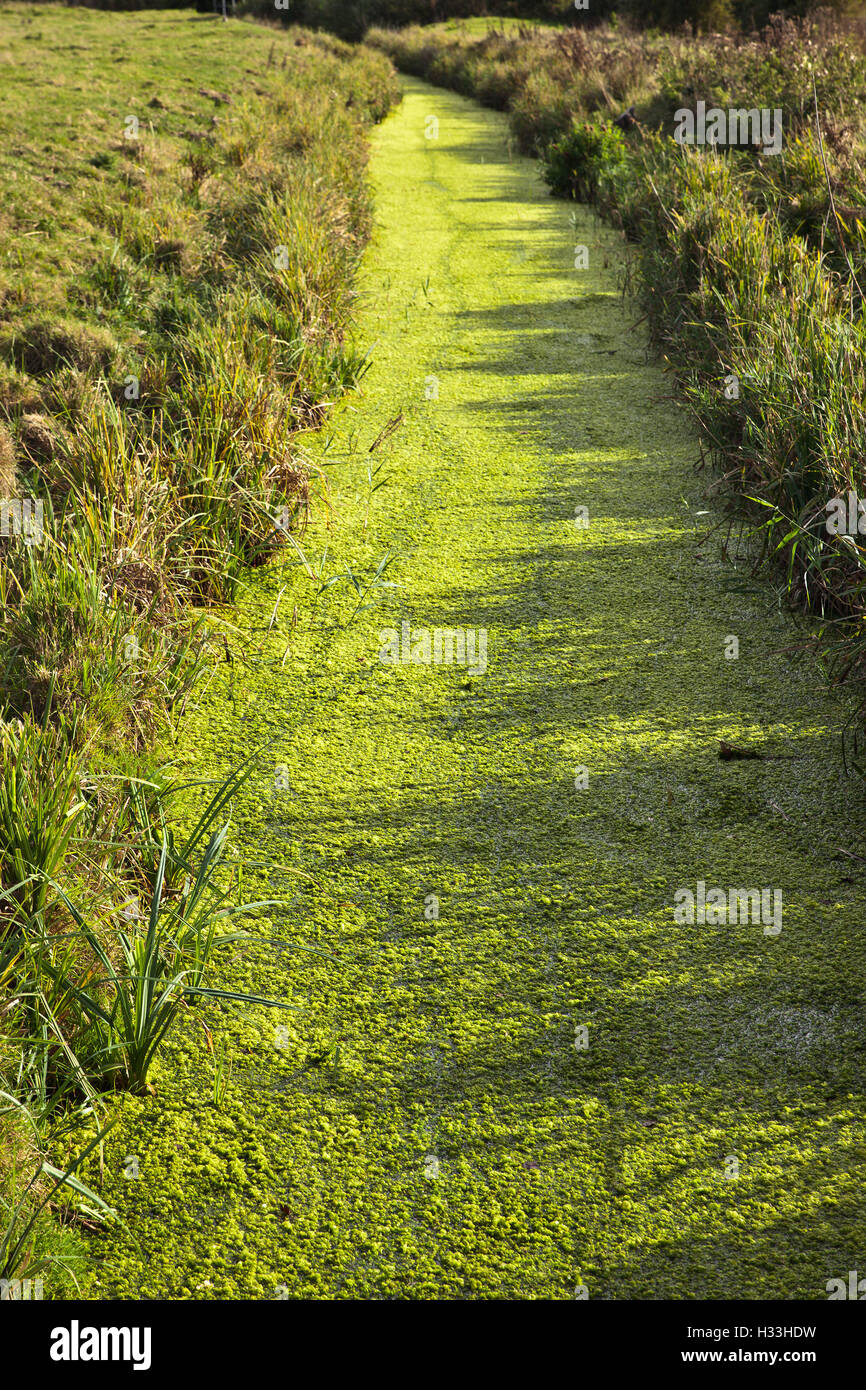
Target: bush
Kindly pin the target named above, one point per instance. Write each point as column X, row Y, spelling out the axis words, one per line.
column 574, row 162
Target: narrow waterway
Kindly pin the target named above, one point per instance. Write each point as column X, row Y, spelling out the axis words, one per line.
column 514, row 1073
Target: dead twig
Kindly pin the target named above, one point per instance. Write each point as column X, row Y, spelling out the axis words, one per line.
column 386, row 433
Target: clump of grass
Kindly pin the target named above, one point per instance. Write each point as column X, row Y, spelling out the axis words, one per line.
column 30, row 1244
column 38, row 436
column 8, row 468
column 42, row 347
column 39, row 806
column 156, row 962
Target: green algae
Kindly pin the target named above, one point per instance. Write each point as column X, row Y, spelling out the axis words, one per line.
column 425, row 1125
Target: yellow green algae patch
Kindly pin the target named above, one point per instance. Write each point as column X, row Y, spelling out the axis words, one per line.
column 511, row 1073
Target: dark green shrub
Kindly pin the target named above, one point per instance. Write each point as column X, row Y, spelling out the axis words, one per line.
column 574, row 162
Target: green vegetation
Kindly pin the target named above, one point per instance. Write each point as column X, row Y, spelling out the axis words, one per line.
column 429, row 1125
column 184, row 206
column 478, row 1055
column 749, row 265
column 353, row 18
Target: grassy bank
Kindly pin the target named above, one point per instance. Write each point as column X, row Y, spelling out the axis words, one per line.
column 184, row 204
column 750, row 266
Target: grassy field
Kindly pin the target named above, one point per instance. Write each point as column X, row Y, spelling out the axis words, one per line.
column 184, row 204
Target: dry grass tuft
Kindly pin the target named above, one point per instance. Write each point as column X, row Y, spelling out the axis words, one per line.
column 8, row 473
column 38, row 436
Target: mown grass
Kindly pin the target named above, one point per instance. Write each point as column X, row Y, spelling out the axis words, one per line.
column 184, row 205
column 751, row 267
